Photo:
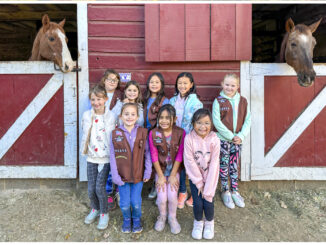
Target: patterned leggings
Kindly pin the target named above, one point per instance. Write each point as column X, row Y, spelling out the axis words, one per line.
column 229, row 161
column 96, row 186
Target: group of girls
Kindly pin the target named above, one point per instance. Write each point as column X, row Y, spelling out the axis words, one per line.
column 129, row 140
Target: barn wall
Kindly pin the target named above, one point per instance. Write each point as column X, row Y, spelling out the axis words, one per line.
column 117, row 40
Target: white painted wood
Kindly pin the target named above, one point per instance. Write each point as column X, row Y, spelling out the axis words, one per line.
column 296, row 129
column 83, row 77
column 31, row 111
column 27, row 67
column 245, row 91
column 261, row 165
column 70, row 120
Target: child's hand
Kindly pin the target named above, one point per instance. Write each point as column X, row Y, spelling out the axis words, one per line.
column 174, row 182
column 200, row 191
column 160, row 183
column 237, row 140
column 146, row 180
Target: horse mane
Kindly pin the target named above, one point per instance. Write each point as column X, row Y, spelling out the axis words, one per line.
column 283, row 47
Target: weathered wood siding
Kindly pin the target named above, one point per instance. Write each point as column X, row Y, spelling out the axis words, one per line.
column 117, row 40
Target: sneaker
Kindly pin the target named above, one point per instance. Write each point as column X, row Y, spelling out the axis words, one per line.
column 227, row 199
column 181, row 199
column 103, row 222
column 174, row 225
column 126, row 226
column 111, row 203
column 136, row 225
column 238, row 199
column 208, row 229
column 197, row 230
column 90, row 218
column 160, row 223
column 152, row 194
column 190, row 202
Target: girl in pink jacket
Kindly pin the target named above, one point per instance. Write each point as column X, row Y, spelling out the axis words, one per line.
column 202, row 163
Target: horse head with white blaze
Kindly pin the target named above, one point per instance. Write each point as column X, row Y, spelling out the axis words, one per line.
column 297, row 50
column 51, row 44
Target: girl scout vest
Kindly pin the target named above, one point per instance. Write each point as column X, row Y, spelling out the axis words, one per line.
column 152, row 112
column 115, row 97
column 226, row 112
column 160, row 143
column 130, row 164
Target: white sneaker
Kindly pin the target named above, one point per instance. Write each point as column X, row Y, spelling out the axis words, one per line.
column 91, row 217
column 208, row 229
column 238, row 199
column 103, row 222
column 197, row 230
column 227, row 199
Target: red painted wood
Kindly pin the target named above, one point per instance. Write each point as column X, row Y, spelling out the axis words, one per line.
column 197, row 32
column 116, row 45
column 320, row 131
column 243, row 31
column 137, row 61
column 223, row 31
column 172, row 32
column 116, row 13
column 212, row 77
column 284, row 101
column 152, row 29
column 42, row 143
column 117, row 29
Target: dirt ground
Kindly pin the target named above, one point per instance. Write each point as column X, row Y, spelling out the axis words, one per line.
column 57, row 215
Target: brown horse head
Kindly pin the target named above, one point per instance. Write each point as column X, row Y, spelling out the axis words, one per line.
column 51, row 44
column 297, row 49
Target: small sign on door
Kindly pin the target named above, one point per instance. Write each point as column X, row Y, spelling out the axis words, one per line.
column 125, row 77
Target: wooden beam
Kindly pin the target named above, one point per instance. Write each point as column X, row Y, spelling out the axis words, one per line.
column 29, row 15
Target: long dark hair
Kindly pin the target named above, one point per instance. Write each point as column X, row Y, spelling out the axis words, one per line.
column 160, row 93
column 199, row 114
column 191, row 78
column 170, row 110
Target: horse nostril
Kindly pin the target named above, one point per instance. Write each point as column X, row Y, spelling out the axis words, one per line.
column 66, row 67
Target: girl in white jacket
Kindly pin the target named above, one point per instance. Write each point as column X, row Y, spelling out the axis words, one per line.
column 97, row 125
column 201, row 160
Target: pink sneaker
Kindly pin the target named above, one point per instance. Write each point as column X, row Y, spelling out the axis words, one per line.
column 181, row 199
column 190, row 202
column 160, row 223
column 174, row 225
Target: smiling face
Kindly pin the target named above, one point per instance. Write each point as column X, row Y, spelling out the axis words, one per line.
column 184, row 85
column 98, row 103
column 111, row 83
column 132, row 93
column 129, row 116
column 203, row 126
column 155, row 85
column 165, row 120
column 230, row 86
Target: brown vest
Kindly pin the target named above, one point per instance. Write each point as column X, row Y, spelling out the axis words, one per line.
column 116, row 95
column 130, row 165
column 152, row 112
column 160, row 143
column 227, row 113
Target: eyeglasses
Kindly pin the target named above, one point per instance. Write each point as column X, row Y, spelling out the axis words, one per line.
column 207, row 124
column 110, row 80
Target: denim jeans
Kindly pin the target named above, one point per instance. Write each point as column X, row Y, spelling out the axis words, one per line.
column 130, row 200
column 201, row 205
column 183, row 187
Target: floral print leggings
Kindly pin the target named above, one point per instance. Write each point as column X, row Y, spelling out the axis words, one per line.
column 229, row 161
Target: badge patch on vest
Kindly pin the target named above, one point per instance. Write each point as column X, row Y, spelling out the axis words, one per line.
column 224, row 108
column 118, row 139
column 118, row 133
column 158, row 139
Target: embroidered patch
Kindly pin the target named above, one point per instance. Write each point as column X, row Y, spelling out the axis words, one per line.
column 124, row 157
column 118, row 139
column 224, row 108
column 158, row 140
column 120, row 150
column 158, row 134
column 119, row 133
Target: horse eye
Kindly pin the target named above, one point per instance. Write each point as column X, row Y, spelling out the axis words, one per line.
column 293, row 44
column 51, row 39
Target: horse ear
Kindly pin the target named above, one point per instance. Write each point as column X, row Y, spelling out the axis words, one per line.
column 45, row 22
column 62, row 23
column 289, row 25
column 313, row 27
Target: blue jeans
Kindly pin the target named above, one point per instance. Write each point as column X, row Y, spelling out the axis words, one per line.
column 130, row 198
column 183, row 187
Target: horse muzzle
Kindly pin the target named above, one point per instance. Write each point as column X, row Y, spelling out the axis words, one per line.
column 306, row 80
